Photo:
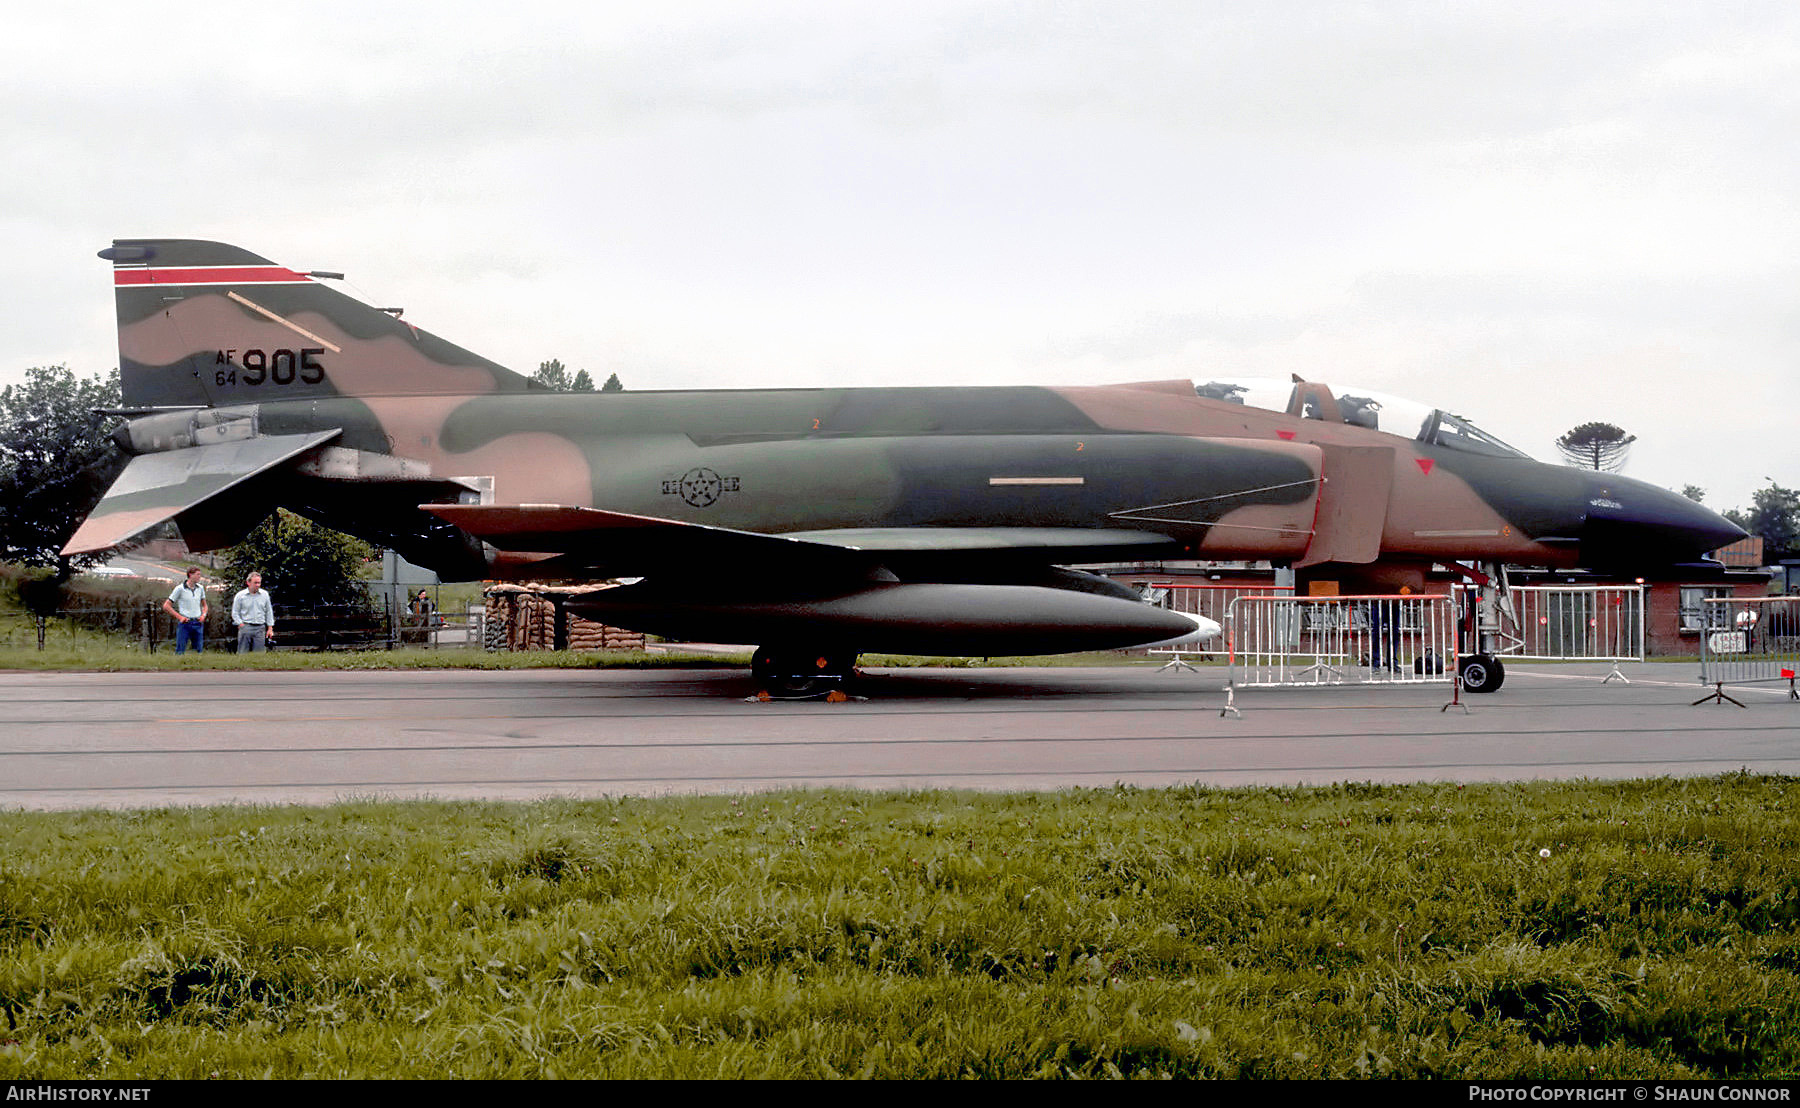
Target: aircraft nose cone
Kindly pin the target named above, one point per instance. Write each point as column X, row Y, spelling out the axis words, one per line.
column 1634, row 524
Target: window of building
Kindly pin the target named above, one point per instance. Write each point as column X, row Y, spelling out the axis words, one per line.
column 1697, row 616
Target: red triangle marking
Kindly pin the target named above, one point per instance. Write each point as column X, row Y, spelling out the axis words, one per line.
column 1425, row 465
column 1288, row 435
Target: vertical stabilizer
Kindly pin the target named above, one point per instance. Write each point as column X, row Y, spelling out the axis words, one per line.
column 204, row 323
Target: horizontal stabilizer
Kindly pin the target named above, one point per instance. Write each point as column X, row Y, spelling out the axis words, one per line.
column 155, row 488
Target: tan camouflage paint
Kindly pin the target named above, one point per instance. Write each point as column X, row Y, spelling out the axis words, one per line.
column 772, row 461
column 1430, row 513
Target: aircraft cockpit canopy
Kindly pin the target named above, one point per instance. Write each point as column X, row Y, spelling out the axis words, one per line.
column 1361, row 407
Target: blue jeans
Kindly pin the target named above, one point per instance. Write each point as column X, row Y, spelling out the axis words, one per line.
column 190, row 630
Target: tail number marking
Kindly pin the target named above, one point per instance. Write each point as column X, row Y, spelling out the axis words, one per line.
column 274, row 367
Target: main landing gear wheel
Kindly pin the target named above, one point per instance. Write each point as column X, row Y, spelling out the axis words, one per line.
column 1482, row 673
column 787, row 672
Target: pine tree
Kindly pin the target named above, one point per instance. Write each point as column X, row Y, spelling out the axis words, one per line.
column 1596, row 446
column 554, row 375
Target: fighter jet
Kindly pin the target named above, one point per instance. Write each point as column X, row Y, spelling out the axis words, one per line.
column 819, row 523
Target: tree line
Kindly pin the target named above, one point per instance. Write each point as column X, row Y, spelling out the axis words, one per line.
column 555, row 376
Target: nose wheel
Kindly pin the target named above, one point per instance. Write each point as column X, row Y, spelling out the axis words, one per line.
column 1482, row 673
column 794, row 673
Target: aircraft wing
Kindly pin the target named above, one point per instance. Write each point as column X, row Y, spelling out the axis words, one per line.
column 612, row 537
column 155, row 488
column 633, row 543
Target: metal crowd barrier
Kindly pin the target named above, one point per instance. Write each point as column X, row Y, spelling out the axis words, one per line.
column 1340, row 640
column 1208, row 601
column 1587, row 623
column 1748, row 640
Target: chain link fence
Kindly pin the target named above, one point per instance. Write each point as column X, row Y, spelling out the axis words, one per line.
column 143, row 625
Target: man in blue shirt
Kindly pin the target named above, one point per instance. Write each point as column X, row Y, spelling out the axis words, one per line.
column 254, row 614
column 187, row 603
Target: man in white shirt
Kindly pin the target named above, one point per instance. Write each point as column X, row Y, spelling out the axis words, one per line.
column 187, row 603
column 254, row 614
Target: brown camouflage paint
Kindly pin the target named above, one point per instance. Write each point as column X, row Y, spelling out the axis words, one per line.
column 1223, row 480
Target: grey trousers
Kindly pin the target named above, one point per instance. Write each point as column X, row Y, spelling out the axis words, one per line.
column 251, row 638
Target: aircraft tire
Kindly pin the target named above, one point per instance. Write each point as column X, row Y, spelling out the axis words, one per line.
column 1482, row 673
column 785, row 671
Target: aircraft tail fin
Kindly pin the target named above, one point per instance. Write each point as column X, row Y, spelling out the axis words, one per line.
column 208, row 324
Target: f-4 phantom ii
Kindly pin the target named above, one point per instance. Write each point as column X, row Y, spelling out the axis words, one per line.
column 819, row 523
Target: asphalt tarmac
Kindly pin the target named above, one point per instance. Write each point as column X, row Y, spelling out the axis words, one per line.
column 158, row 739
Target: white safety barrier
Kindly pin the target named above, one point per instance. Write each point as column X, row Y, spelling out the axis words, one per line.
column 1341, row 640
column 1206, row 601
column 1747, row 640
column 1588, row 623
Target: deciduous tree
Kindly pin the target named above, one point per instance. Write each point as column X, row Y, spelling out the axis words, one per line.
column 303, row 565
column 1774, row 514
column 56, row 461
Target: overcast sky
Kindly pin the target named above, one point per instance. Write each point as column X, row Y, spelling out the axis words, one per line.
column 1534, row 214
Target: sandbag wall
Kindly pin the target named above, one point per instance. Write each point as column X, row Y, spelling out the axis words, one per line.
column 522, row 617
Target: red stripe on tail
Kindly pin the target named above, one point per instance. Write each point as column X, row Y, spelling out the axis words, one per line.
column 213, row 275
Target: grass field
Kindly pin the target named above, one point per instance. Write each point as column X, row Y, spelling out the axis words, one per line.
column 1359, row 930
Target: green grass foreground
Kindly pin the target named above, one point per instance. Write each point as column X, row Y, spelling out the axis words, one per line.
column 1358, row 930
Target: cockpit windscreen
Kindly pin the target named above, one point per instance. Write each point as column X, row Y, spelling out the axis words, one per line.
column 1459, row 434
column 1360, row 407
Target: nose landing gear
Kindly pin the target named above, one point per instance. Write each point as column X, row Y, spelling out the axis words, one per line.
column 1486, row 616
column 1482, row 673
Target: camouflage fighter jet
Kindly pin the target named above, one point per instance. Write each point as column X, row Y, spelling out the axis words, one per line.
column 819, row 523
